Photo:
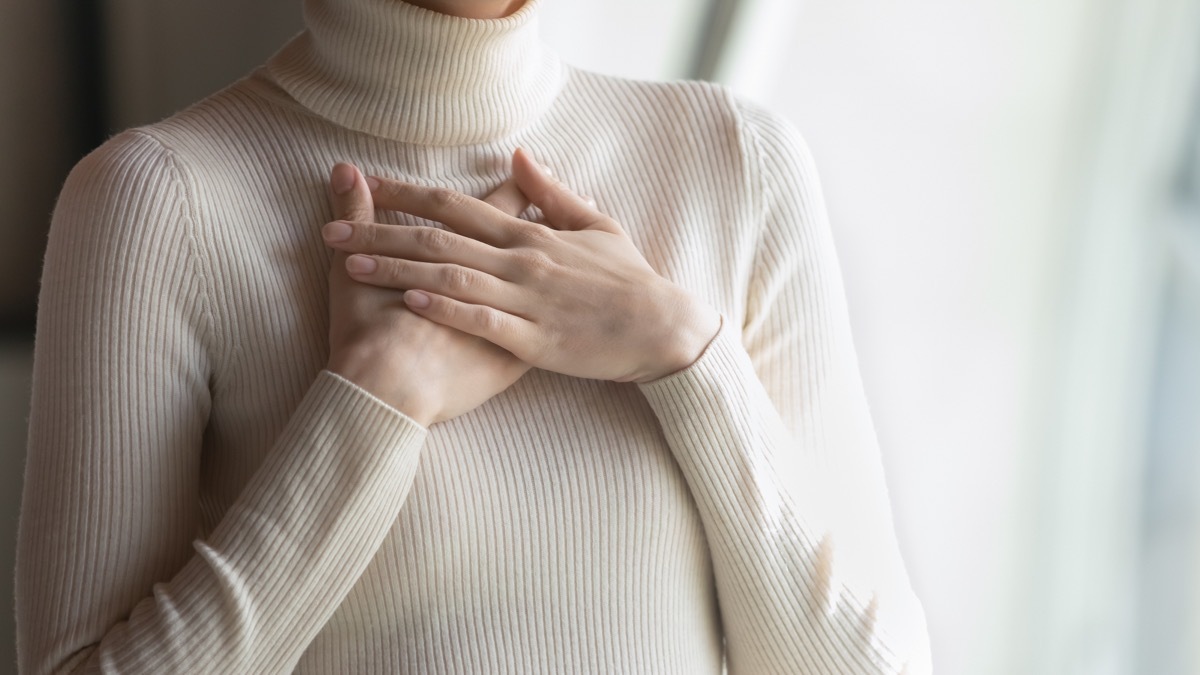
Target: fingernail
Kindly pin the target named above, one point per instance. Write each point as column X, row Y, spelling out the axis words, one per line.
column 337, row 231
column 342, row 179
column 361, row 264
column 416, row 299
column 372, row 183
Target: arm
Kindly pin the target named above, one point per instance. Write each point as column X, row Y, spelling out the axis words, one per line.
column 111, row 574
column 771, row 429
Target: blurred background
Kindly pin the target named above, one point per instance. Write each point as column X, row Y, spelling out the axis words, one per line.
column 1014, row 187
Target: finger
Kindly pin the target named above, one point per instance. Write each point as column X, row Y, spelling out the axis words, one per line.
column 349, row 194
column 509, row 332
column 349, row 198
column 462, row 213
column 508, row 198
column 563, row 209
column 455, row 281
column 426, row 244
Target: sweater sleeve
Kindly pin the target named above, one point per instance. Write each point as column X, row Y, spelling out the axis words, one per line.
column 112, row 573
column 771, row 429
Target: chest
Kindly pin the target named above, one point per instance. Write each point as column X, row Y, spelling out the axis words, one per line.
column 270, row 272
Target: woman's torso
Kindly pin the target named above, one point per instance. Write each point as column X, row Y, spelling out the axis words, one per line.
column 549, row 528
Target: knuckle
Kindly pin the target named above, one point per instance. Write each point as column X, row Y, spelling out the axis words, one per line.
column 446, row 309
column 433, row 240
column 455, row 278
column 391, row 191
column 395, row 270
column 367, row 235
column 445, row 198
column 534, row 264
column 488, row 320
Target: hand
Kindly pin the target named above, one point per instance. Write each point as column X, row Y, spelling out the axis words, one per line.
column 426, row 370
column 578, row 299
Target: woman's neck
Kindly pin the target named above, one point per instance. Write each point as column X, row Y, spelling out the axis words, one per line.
column 471, row 9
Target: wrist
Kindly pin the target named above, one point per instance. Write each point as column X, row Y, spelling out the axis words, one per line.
column 690, row 325
column 371, row 373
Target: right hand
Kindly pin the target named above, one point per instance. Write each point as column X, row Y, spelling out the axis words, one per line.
column 423, row 369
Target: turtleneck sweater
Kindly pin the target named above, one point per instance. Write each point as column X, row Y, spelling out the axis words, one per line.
column 202, row 496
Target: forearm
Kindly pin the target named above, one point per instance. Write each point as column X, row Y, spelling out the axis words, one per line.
column 261, row 585
column 793, row 598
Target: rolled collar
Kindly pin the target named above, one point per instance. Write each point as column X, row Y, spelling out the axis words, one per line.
column 395, row 70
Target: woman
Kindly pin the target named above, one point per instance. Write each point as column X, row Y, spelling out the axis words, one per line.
column 628, row 438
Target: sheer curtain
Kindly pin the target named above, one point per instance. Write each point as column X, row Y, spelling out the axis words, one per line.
column 1168, row 608
column 1115, row 533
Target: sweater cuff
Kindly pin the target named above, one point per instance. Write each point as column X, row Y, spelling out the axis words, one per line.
column 337, row 409
column 722, row 363
column 372, row 404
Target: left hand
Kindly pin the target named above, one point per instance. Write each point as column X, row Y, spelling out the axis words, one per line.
column 575, row 298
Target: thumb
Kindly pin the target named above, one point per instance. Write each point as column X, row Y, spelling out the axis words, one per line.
column 351, row 200
column 564, row 210
column 349, row 194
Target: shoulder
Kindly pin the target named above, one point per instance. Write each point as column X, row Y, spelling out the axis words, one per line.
column 168, row 169
column 128, row 183
column 152, row 155
column 709, row 100
column 141, row 189
column 779, row 149
column 119, row 238
column 122, row 163
column 687, row 105
column 703, row 116
column 205, row 135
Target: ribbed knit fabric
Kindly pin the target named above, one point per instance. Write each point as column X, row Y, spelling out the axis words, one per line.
column 202, row 497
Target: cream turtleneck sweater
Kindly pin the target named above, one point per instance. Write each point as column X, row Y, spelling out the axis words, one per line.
column 201, row 496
